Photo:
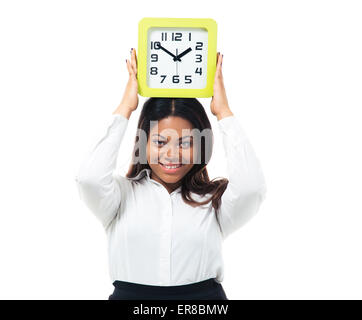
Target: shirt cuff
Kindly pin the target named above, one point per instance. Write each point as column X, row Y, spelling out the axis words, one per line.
column 116, row 118
column 231, row 127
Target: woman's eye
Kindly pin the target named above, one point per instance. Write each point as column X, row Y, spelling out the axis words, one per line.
column 158, row 142
column 185, row 144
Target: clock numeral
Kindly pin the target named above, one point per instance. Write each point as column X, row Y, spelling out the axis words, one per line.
column 155, row 57
column 164, row 36
column 189, row 36
column 155, row 45
column 199, row 46
column 198, row 56
column 175, row 79
column 163, row 79
column 176, row 36
column 154, row 70
column 199, row 72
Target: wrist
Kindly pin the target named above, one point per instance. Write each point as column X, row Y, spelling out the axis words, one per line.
column 224, row 113
column 123, row 110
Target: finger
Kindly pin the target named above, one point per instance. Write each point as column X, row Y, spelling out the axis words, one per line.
column 219, row 61
column 134, row 60
column 218, row 66
column 129, row 68
column 134, row 55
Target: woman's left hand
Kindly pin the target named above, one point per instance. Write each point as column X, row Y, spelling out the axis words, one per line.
column 219, row 103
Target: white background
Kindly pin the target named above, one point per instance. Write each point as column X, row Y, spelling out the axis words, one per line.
column 292, row 72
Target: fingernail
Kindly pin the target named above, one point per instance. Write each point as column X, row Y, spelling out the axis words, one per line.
column 126, row 60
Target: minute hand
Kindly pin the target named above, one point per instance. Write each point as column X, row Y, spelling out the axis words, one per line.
column 171, row 54
column 182, row 54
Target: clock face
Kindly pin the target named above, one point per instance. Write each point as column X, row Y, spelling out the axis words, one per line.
column 177, row 58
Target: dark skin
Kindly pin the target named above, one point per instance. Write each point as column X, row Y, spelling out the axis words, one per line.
column 219, row 107
column 168, row 148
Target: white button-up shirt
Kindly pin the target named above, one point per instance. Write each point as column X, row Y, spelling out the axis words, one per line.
column 154, row 237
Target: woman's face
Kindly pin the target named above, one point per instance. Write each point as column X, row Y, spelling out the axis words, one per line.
column 170, row 142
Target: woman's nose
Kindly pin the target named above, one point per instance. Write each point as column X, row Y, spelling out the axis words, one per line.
column 173, row 153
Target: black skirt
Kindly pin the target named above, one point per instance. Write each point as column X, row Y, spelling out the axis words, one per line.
column 204, row 290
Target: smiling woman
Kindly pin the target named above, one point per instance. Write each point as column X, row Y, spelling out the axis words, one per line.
column 170, row 152
column 165, row 219
column 171, row 159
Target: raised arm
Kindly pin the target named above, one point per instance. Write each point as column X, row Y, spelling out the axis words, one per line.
column 246, row 188
column 98, row 188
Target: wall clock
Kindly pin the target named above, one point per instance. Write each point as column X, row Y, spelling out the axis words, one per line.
column 176, row 57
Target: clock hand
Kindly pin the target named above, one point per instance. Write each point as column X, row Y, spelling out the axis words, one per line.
column 171, row 54
column 182, row 54
column 176, row 63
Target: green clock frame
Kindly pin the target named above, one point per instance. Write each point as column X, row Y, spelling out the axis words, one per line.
column 143, row 26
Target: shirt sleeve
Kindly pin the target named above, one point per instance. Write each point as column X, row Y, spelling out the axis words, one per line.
column 246, row 188
column 100, row 190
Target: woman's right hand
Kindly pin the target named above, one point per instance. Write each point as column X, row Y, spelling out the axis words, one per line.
column 130, row 96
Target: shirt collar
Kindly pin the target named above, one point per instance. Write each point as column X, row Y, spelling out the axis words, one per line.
column 141, row 174
column 146, row 172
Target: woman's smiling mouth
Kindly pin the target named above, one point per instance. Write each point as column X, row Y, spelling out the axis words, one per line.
column 171, row 168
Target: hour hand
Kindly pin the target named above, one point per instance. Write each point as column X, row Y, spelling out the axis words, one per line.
column 182, row 54
column 168, row 52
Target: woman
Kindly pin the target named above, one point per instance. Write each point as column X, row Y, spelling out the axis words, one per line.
column 165, row 220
